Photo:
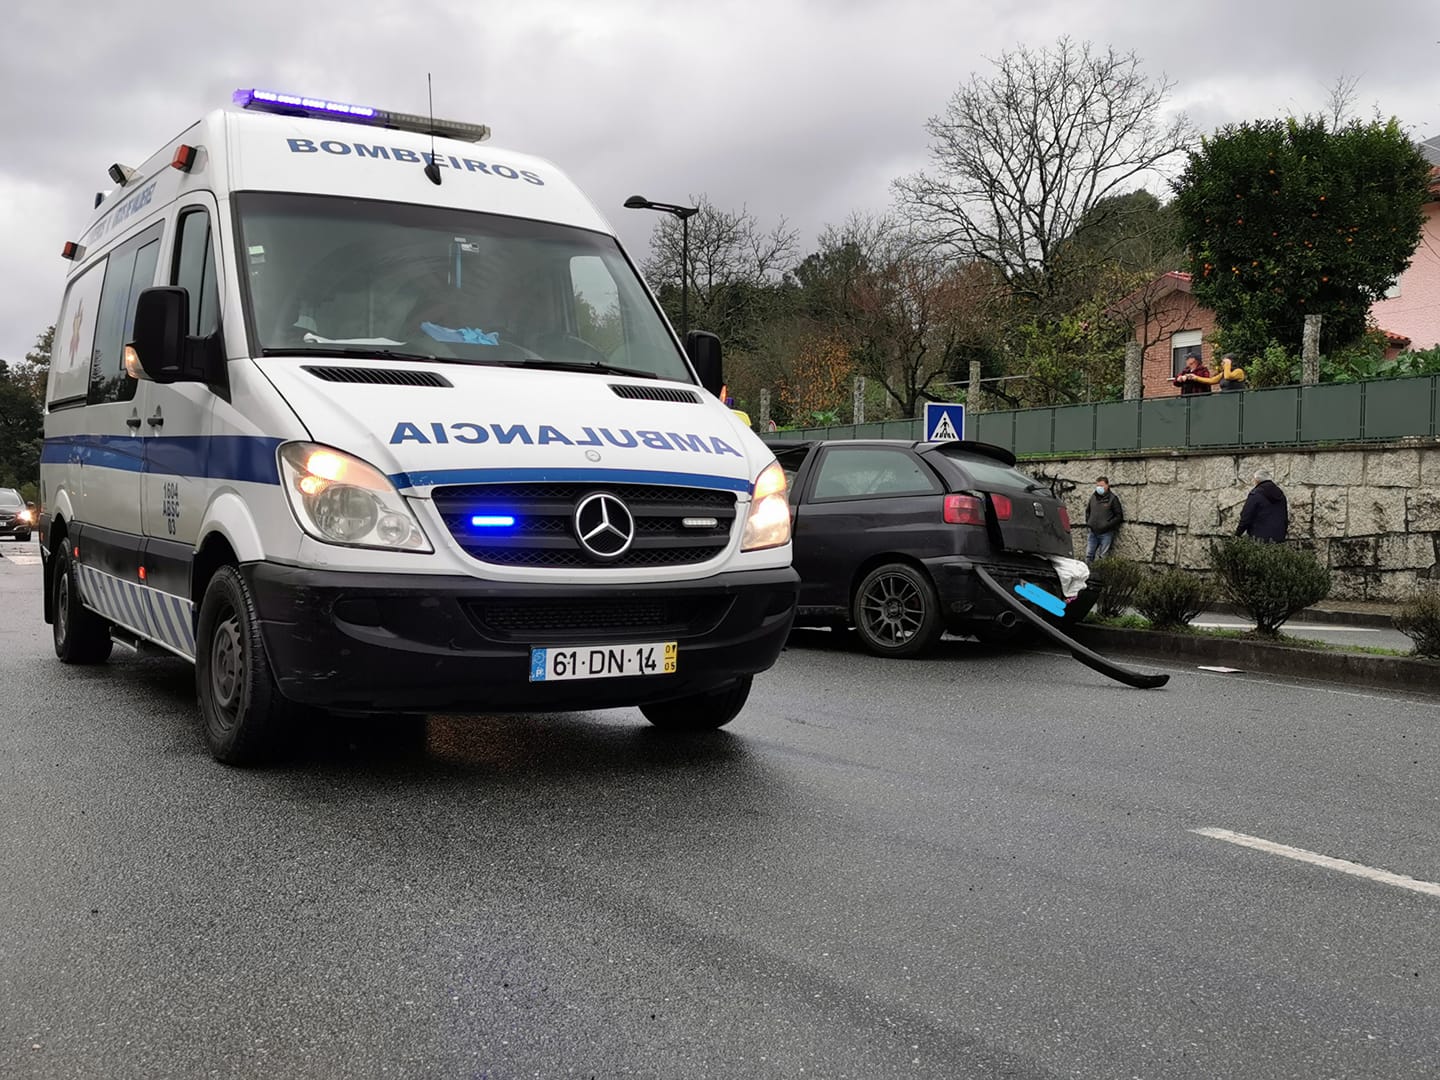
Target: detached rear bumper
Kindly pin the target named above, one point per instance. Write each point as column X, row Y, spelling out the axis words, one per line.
column 424, row 643
column 967, row 603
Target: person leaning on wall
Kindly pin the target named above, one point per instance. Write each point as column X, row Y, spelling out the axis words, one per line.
column 1266, row 515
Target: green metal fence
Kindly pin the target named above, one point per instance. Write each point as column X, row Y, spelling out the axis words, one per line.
column 1283, row 416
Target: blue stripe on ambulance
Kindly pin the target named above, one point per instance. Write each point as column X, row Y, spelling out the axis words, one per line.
column 248, row 458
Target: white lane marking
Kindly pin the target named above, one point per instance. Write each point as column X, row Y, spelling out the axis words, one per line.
column 1325, row 629
column 1345, row 866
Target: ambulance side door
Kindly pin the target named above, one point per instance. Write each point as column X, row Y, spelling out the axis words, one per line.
column 176, row 488
column 113, row 454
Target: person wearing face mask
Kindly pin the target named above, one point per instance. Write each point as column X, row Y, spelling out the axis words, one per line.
column 1103, row 516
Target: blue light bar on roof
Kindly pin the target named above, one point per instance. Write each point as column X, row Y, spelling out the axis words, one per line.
column 324, row 109
column 261, row 98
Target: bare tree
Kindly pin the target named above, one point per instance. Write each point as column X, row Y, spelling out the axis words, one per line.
column 735, row 267
column 907, row 312
column 1340, row 101
column 1026, row 159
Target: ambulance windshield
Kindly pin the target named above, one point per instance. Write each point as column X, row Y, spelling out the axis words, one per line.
column 339, row 276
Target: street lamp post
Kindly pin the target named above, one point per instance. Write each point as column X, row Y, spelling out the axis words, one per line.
column 684, row 213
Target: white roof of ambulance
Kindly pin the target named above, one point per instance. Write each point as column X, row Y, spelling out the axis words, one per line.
column 258, row 151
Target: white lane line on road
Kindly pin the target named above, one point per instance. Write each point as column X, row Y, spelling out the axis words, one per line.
column 1345, row 866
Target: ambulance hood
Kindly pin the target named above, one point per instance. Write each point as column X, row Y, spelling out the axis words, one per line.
column 481, row 424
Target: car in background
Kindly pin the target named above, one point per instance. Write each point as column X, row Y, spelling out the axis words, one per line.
column 887, row 535
column 16, row 518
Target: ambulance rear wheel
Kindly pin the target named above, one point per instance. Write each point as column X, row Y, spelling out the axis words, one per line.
column 81, row 636
column 242, row 708
column 700, row 712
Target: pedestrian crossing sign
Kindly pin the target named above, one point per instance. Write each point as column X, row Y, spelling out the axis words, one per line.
column 944, row 422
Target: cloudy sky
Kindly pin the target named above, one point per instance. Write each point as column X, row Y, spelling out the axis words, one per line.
column 802, row 109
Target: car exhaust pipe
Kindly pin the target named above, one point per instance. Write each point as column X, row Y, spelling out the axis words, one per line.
column 1006, row 619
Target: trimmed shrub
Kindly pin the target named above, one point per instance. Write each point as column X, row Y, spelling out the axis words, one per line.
column 1171, row 598
column 1419, row 620
column 1269, row 582
column 1117, row 580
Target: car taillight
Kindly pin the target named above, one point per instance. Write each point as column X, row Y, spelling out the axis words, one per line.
column 1065, row 518
column 1002, row 506
column 964, row 510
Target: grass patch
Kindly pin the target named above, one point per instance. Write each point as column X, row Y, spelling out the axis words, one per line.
column 1119, row 622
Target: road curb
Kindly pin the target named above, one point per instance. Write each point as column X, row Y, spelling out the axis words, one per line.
column 1383, row 672
column 1325, row 616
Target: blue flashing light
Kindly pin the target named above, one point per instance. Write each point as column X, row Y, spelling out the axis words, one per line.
column 249, row 98
column 492, row 521
column 322, row 108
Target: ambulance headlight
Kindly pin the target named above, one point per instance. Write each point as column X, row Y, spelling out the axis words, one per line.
column 340, row 499
column 768, row 523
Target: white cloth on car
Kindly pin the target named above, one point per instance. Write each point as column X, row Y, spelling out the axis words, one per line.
column 1073, row 575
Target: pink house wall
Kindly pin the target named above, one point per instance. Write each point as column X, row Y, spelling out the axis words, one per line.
column 1415, row 313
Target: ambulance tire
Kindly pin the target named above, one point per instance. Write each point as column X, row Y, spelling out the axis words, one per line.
column 243, row 710
column 700, row 712
column 81, row 636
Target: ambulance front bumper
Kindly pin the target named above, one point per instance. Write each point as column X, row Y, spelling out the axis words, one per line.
column 392, row 642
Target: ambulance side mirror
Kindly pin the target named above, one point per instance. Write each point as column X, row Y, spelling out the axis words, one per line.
column 703, row 348
column 162, row 315
column 162, row 349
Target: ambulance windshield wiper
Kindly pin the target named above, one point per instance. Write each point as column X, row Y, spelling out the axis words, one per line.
column 356, row 352
column 582, row 365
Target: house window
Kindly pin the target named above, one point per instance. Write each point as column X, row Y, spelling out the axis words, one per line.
column 1393, row 291
column 1182, row 344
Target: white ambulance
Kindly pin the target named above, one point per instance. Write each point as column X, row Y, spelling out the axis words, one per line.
column 357, row 415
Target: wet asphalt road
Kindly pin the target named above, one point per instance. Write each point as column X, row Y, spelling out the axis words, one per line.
column 978, row 865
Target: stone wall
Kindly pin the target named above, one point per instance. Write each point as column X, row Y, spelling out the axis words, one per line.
column 1370, row 513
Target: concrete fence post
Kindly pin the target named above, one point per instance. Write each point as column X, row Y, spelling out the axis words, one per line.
column 762, row 420
column 858, row 399
column 974, row 394
column 1134, row 371
column 1310, row 351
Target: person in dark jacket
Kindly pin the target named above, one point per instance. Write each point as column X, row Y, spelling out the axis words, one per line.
column 1265, row 515
column 1103, row 517
column 1195, row 379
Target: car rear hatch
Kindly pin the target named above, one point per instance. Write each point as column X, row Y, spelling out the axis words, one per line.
column 1022, row 514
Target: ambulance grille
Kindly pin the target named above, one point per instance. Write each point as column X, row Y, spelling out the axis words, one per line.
column 655, row 393
column 379, row 376
column 543, row 536
column 581, row 621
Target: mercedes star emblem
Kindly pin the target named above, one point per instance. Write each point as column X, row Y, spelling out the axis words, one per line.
column 604, row 525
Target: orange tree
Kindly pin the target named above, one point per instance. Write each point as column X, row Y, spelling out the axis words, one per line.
column 1286, row 218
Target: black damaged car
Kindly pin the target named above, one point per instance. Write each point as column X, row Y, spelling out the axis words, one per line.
column 887, row 535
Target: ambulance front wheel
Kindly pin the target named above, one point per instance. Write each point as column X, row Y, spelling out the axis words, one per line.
column 700, row 712
column 81, row 636
column 243, row 710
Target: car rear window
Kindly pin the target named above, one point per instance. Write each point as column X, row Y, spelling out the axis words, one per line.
column 991, row 475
